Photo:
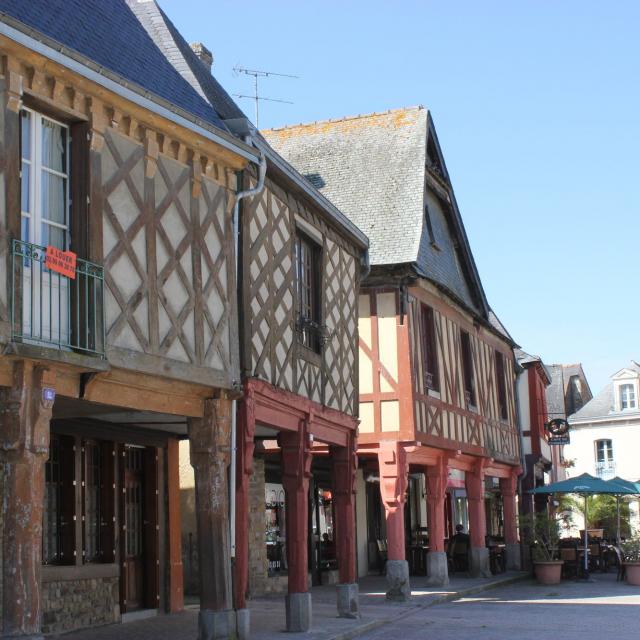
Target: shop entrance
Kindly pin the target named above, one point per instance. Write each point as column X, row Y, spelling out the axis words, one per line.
column 139, row 514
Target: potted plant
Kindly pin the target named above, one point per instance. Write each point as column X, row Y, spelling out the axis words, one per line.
column 540, row 532
column 631, row 555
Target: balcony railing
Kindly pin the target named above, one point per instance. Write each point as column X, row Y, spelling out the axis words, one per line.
column 50, row 309
column 606, row 469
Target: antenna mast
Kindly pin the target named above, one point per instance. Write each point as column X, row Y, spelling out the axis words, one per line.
column 256, row 96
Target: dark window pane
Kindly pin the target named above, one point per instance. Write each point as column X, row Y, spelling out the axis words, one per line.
column 25, row 129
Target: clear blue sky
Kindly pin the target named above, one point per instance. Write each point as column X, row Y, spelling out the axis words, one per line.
column 537, row 108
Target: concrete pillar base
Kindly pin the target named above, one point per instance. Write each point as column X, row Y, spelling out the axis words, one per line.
column 513, row 557
column 243, row 624
column 398, row 587
column 348, row 600
column 298, row 608
column 479, row 562
column 216, row 625
column 437, row 569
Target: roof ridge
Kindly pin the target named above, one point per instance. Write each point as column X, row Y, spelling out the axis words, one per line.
column 360, row 116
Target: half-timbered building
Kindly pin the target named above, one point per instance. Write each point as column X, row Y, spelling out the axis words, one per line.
column 299, row 264
column 437, row 437
column 118, row 321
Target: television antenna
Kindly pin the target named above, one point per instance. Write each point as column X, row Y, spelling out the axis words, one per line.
column 256, row 97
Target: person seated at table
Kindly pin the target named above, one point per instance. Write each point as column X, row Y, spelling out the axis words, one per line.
column 458, row 549
column 460, row 536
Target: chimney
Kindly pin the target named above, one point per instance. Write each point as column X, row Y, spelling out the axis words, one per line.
column 204, row 55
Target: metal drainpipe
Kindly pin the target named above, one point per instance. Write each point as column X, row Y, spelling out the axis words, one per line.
column 262, row 171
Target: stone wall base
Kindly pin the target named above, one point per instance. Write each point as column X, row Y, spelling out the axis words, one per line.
column 513, row 557
column 77, row 604
column 398, row 586
column 437, row 569
column 479, row 562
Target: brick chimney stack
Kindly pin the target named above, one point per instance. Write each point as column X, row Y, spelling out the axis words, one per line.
column 204, row 55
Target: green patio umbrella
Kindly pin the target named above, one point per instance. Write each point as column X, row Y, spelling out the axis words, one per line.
column 586, row 485
column 627, row 484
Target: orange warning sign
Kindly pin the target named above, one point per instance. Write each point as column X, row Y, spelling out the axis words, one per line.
column 63, row 262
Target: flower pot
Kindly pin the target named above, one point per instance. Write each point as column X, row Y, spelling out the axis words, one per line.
column 548, row 572
column 632, row 573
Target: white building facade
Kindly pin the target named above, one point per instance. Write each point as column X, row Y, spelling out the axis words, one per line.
column 605, row 433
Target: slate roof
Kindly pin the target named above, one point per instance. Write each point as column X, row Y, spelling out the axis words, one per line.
column 556, row 392
column 602, row 404
column 108, row 33
column 372, row 167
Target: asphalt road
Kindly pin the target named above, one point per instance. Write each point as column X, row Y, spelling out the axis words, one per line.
column 599, row 610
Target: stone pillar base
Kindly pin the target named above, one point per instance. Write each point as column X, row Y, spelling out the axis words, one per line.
column 348, row 600
column 398, row 587
column 298, row 607
column 437, row 569
column 216, row 625
column 513, row 557
column 479, row 562
column 243, row 624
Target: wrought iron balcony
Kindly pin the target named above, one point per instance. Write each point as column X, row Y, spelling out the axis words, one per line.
column 606, row 469
column 53, row 310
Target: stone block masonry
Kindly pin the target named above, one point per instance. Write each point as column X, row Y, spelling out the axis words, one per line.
column 77, row 604
column 258, row 563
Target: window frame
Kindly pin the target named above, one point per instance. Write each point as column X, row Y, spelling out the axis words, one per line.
column 606, row 450
column 631, row 400
column 35, row 215
column 98, row 463
column 309, row 327
column 64, row 537
column 468, row 375
column 503, row 408
column 428, row 343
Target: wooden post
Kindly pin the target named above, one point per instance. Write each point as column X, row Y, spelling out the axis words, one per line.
column 508, row 488
column 209, row 438
column 25, row 413
column 296, row 471
column 345, row 464
column 437, row 477
column 479, row 554
column 246, row 427
column 394, row 476
column 176, row 575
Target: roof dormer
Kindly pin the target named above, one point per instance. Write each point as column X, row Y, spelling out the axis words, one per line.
column 626, row 390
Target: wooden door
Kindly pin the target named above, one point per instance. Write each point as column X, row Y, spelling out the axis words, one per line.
column 133, row 528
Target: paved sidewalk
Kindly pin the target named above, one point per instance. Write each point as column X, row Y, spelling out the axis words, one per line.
column 571, row 610
column 268, row 616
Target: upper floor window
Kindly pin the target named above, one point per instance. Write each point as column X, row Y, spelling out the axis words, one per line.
column 627, row 396
column 604, row 451
column 44, row 181
column 467, row 369
column 502, row 386
column 605, row 465
column 429, row 350
column 308, row 261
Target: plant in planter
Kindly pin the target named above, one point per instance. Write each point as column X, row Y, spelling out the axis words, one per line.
column 631, row 555
column 541, row 532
